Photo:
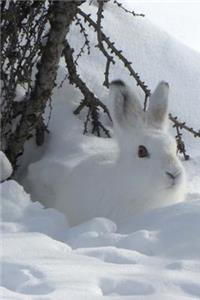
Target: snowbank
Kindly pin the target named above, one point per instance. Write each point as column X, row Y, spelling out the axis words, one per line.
column 172, row 16
column 16, row 207
column 154, row 257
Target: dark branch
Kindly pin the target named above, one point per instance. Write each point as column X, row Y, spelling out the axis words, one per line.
column 86, row 43
column 128, row 11
column 182, row 125
column 100, row 45
column 117, row 52
column 90, row 101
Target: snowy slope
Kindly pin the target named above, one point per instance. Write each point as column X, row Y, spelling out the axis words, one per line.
column 173, row 16
column 154, row 256
column 155, row 56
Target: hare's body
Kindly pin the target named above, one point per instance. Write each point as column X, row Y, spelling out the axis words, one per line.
column 140, row 172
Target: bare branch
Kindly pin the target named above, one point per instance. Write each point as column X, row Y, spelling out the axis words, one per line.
column 86, row 43
column 180, row 142
column 182, row 125
column 118, row 53
column 89, row 98
column 100, row 45
column 128, row 11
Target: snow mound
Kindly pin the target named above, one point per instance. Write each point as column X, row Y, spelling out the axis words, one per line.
column 156, row 256
column 16, row 206
column 14, row 201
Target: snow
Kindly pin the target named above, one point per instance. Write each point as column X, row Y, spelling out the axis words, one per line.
column 5, row 167
column 16, row 206
column 151, row 256
column 172, row 16
column 155, row 56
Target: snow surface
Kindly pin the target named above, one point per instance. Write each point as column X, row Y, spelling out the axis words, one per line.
column 5, row 167
column 179, row 18
column 156, row 256
column 153, row 256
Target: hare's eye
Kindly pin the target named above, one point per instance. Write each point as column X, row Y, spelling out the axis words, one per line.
column 142, row 151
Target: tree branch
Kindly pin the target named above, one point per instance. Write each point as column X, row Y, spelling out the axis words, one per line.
column 126, row 10
column 100, row 45
column 184, row 126
column 118, row 53
column 89, row 98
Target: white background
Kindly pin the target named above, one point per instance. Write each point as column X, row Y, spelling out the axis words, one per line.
column 179, row 18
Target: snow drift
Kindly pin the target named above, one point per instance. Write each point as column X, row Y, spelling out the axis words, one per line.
column 156, row 256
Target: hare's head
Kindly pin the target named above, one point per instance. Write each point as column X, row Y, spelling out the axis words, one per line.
column 146, row 148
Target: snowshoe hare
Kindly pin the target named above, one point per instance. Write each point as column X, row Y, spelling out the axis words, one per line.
column 142, row 172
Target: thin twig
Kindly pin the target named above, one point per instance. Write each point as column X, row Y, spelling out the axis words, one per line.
column 100, row 45
column 128, row 11
column 180, row 142
column 90, row 100
column 184, row 126
column 86, row 43
column 117, row 52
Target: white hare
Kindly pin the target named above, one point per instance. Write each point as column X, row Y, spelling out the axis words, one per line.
column 143, row 174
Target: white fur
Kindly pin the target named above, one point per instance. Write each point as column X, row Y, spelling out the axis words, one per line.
column 149, row 182
column 116, row 182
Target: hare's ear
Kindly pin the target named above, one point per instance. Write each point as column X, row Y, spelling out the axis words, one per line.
column 158, row 106
column 126, row 108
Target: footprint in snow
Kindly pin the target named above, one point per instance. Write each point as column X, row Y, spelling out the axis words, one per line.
column 113, row 255
column 126, row 287
column 191, row 288
column 175, row 266
column 23, row 279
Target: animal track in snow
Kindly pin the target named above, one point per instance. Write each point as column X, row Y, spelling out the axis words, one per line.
column 113, row 255
column 23, row 279
column 175, row 266
column 126, row 287
column 191, row 288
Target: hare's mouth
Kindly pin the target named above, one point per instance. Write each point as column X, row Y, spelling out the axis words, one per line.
column 174, row 178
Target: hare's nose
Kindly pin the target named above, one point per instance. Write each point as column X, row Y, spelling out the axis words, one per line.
column 173, row 176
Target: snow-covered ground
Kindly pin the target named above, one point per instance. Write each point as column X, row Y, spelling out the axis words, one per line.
column 154, row 256
column 173, row 16
column 151, row 256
